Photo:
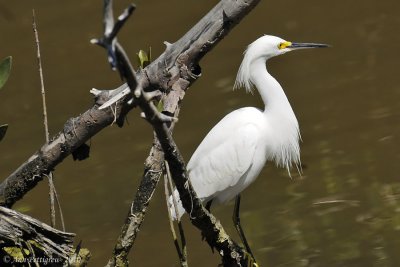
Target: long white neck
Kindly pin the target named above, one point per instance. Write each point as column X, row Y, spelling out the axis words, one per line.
column 270, row 90
column 282, row 122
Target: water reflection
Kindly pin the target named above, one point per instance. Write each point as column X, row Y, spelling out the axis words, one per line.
column 352, row 229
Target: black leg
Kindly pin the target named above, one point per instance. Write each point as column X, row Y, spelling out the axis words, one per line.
column 208, row 205
column 236, row 222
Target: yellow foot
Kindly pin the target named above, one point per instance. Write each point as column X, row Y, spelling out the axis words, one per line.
column 251, row 261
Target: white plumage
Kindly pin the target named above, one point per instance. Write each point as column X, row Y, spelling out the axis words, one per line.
column 234, row 152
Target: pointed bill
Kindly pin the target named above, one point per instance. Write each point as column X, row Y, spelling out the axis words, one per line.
column 306, row 45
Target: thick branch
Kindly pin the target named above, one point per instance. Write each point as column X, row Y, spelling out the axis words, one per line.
column 152, row 173
column 76, row 132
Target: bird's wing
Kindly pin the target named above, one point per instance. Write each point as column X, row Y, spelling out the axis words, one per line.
column 216, row 167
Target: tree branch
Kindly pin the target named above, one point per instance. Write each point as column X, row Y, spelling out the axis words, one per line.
column 173, row 72
column 75, row 133
column 187, row 70
column 231, row 253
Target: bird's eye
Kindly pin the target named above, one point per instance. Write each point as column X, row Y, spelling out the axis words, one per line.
column 284, row 45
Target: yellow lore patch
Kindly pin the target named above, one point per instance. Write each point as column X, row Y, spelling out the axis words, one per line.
column 283, row 45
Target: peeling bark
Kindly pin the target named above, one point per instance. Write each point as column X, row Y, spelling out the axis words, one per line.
column 76, row 132
column 17, row 229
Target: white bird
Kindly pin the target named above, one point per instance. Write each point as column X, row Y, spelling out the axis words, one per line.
column 234, row 152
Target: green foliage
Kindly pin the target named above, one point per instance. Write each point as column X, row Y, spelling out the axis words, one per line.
column 3, row 130
column 5, row 68
column 160, row 105
column 144, row 58
column 24, row 208
column 81, row 258
column 16, row 253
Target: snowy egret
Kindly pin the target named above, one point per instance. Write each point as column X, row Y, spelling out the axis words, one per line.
column 234, row 152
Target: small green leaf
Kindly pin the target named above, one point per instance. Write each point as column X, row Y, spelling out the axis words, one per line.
column 160, row 105
column 144, row 58
column 3, row 130
column 24, row 208
column 5, row 68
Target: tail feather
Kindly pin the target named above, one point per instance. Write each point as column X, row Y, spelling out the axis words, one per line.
column 171, row 207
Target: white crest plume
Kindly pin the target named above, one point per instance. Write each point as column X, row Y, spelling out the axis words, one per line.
column 243, row 75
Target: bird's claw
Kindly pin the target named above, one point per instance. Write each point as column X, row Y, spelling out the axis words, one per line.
column 251, row 261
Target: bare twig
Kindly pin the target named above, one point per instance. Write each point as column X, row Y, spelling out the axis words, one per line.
column 45, row 122
column 180, row 226
column 30, row 248
column 111, row 29
column 52, row 188
column 181, row 256
column 182, row 252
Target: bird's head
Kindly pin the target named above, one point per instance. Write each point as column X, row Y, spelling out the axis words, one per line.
column 262, row 49
column 269, row 46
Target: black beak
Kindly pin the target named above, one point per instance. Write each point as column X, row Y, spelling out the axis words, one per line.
column 306, row 45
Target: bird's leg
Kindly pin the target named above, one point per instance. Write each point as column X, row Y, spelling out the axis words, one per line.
column 208, row 205
column 236, row 222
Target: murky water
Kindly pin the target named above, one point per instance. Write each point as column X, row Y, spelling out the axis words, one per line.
column 344, row 210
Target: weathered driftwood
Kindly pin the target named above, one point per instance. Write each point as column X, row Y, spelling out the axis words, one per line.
column 19, row 230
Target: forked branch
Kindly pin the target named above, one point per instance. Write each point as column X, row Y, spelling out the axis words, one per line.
column 231, row 253
column 171, row 73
